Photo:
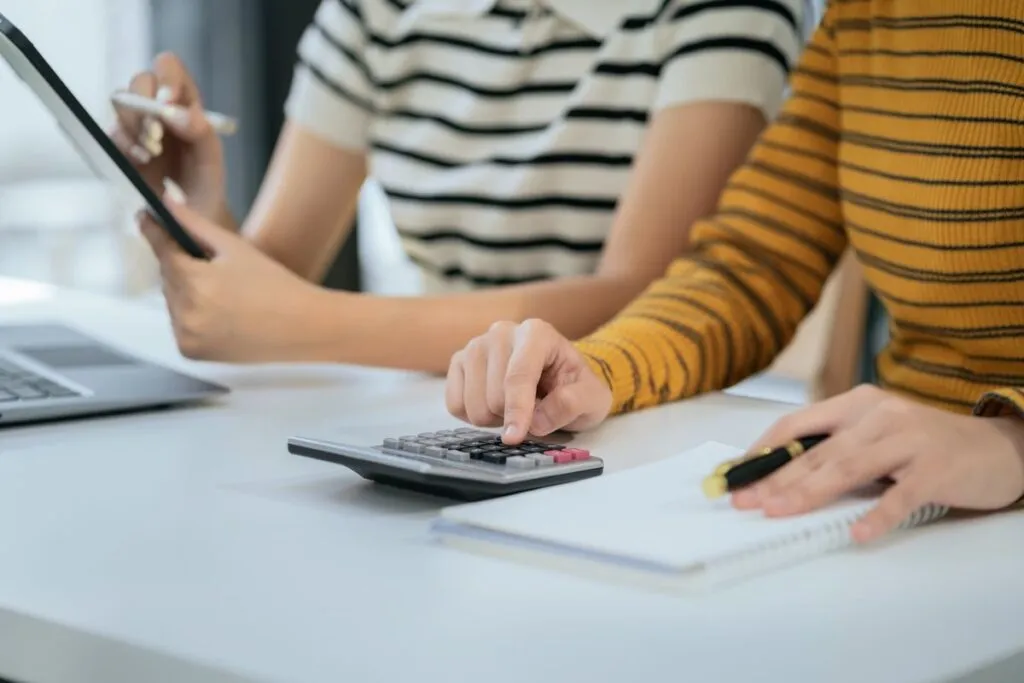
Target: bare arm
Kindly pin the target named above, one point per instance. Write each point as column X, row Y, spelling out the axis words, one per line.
column 689, row 153
column 307, row 202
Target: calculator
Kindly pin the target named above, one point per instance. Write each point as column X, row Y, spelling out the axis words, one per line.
column 464, row 464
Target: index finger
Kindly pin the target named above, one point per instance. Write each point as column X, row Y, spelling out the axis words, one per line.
column 129, row 121
column 177, row 87
column 175, row 83
column 526, row 364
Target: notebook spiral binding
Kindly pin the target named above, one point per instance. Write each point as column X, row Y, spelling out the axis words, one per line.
column 799, row 547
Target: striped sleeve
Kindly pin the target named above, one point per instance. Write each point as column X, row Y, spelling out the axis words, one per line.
column 332, row 91
column 757, row 266
column 1001, row 402
column 734, row 52
column 1004, row 402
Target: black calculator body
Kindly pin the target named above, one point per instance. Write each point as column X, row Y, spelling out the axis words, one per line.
column 464, row 464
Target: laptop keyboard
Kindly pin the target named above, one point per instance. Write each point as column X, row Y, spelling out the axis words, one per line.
column 18, row 383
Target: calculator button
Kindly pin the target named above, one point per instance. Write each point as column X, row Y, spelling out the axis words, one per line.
column 521, row 462
column 512, row 452
column 541, row 459
column 393, row 444
column 560, row 456
column 457, row 456
column 578, row 453
column 434, row 451
column 411, row 447
column 495, row 458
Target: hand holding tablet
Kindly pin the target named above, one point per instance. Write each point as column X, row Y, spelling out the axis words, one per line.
column 96, row 148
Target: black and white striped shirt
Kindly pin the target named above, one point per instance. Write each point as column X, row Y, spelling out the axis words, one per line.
column 503, row 131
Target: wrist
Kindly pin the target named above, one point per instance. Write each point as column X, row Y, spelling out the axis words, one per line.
column 598, row 367
column 1011, row 428
column 317, row 334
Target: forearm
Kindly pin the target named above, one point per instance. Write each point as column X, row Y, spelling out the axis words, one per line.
column 225, row 218
column 307, row 204
column 422, row 333
column 703, row 327
column 757, row 267
column 307, row 253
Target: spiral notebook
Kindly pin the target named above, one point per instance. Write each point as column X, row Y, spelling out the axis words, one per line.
column 652, row 524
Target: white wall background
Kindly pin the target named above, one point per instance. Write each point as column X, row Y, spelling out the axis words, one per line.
column 94, row 45
column 57, row 221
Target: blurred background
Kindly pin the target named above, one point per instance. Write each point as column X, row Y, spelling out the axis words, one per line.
column 59, row 224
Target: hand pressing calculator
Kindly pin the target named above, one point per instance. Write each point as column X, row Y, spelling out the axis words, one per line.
column 466, row 464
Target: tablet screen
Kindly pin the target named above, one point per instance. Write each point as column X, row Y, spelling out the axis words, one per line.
column 94, row 145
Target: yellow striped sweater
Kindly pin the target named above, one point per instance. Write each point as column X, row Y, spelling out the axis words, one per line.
column 904, row 138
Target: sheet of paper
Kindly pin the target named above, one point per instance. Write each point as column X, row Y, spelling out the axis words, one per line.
column 655, row 513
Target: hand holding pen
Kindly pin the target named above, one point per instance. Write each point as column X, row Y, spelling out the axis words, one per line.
column 926, row 455
column 163, row 108
column 739, row 474
column 163, row 128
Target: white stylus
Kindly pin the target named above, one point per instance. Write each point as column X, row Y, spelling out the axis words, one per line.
column 222, row 124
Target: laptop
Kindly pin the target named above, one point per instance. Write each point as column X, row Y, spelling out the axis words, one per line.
column 54, row 372
column 51, row 371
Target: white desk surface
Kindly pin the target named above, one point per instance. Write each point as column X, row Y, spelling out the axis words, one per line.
column 190, row 546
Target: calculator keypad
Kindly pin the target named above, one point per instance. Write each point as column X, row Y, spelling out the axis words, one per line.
column 472, row 445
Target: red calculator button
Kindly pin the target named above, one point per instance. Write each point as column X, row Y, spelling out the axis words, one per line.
column 560, row 456
column 578, row 453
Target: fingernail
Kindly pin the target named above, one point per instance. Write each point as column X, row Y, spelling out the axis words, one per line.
column 140, row 155
column 164, row 94
column 154, row 130
column 177, row 117
column 153, row 147
column 174, row 192
column 744, row 499
column 862, row 532
column 510, row 432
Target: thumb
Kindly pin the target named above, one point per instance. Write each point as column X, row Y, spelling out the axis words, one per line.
column 210, row 236
column 560, row 409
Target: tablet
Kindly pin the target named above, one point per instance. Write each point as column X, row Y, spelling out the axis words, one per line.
column 95, row 146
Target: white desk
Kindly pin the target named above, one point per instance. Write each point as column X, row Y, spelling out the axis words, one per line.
column 190, row 546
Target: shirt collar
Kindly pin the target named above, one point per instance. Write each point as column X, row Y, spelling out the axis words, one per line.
column 596, row 17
